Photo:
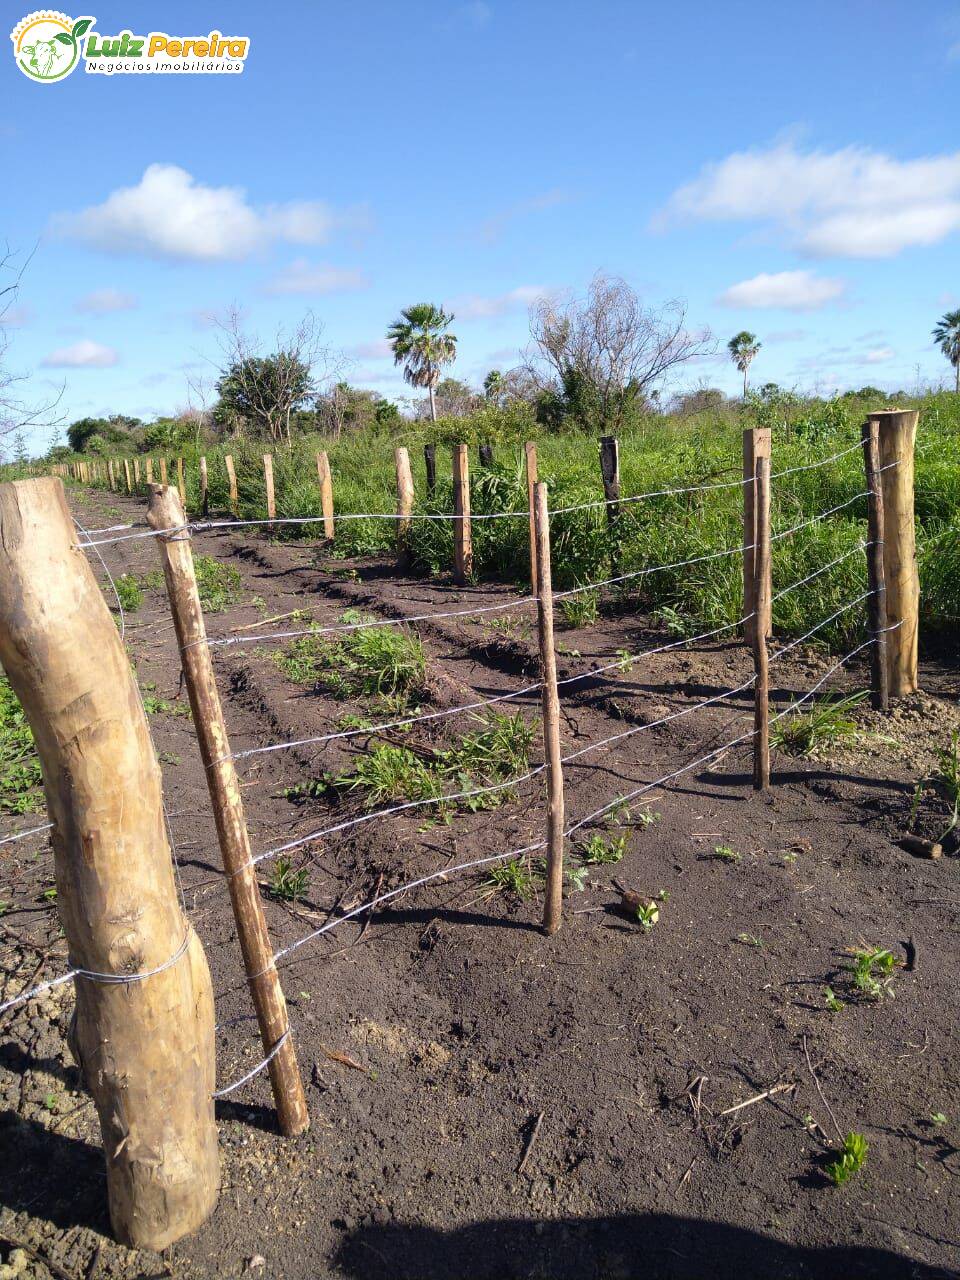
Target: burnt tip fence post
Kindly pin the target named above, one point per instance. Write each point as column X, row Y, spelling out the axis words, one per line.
column 877, row 599
column 145, row 1046
column 550, row 703
column 165, row 512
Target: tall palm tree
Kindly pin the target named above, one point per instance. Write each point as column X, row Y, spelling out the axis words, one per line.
column 422, row 343
column 947, row 337
column 742, row 350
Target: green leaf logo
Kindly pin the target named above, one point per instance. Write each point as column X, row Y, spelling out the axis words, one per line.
column 81, row 27
column 64, row 38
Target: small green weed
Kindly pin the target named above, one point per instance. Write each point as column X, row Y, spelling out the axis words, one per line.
column 749, row 940
column 832, row 1000
column 155, row 706
column 129, row 592
column 20, row 773
column 599, row 849
column 288, row 883
column 581, row 610
column 648, row 914
column 851, row 1159
column 802, row 732
column 515, row 876
column 386, row 661
column 871, row 973
column 726, row 853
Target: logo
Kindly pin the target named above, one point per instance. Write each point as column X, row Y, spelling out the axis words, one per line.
column 47, row 45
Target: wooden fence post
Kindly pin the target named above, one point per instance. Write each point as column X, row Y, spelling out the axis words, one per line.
column 163, row 471
column 113, row 483
column 610, row 472
column 232, row 479
column 166, row 512
column 181, row 483
column 404, row 501
column 550, row 702
column 462, row 536
column 897, row 429
column 326, row 494
column 762, row 597
column 268, row 481
column 136, row 473
column 146, row 1048
column 126, row 472
column 530, row 457
column 877, row 600
column 756, row 444
column 149, row 470
column 430, row 461
column 204, row 489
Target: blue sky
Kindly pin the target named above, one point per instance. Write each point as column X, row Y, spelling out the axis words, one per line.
column 790, row 170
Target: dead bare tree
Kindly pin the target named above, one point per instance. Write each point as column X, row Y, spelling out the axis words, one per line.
column 16, row 415
column 602, row 354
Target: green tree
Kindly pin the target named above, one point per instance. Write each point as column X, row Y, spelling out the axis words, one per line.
column 947, row 337
column 422, row 343
column 743, row 348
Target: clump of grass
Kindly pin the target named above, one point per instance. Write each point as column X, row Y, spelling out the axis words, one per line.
column 581, row 610
column 515, row 876
column 288, row 883
column 384, row 661
column 850, row 1160
column 599, row 849
column 218, row 584
column 871, row 972
column 829, row 719
column 20, row 774
column 129, row 592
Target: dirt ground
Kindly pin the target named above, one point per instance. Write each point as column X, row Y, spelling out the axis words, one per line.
column 488, row 1103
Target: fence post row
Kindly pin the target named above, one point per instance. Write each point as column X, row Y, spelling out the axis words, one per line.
column 877, row 600
column 146, row 1048
column 404, row 502
column 268, row 482
column 166, row 512
column 326, row 494
column 550, row 703
column 462, row 536
column 756, row 444
column 530, row 456
column 762, row 592
column 897, row 433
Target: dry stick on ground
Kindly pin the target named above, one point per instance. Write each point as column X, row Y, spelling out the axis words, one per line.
column 823, row 1097
column 146, row 1048
column 166, row 512
column 782, row 1087
column 528, row 1145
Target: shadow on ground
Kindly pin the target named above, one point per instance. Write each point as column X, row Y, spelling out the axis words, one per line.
column 627, row 1247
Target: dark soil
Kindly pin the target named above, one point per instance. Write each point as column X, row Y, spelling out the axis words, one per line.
column 488, row 1103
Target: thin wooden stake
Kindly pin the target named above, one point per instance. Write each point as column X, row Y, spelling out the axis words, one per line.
column 610, row 472
column 756, row 444
column 113, row 482
column 181, row 483
column 165, row 511
column 430, row 461
column 126, row 472
column 204, row 488
column 163, row 471
column 762, row 595
column 550, row 701
column 326, row 495
column 232, row 480
column 530, row 456
column 268, row 481
column 404, row 501
column 145, row 1048
column 877, row 600
column 149, row 470
column 462, row 536
column 136, row 472
column 897, row 438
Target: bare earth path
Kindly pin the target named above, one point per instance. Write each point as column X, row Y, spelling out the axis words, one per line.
column 488, row 1103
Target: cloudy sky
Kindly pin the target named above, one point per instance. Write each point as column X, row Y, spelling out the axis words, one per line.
column 791, row 170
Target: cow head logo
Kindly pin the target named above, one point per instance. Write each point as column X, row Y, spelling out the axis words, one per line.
column 46, row 45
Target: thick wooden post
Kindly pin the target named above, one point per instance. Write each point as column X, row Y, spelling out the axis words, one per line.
column 149, row 470
column 268, row 483
column 897, row 436
column 146, row 1048
column 430, row 461
column 530, row 457
column 877, row 600
column 232, row 480
column 756, row 444
column 610, row 472
column 404, row 501
column 204, row 489
column 550, row 702
column 181, row 483
column 166, row 512
column 163, row 471
column 762, row 596
column 326, row 494
column 126, row 472
column 462, row 536
column 113, row 483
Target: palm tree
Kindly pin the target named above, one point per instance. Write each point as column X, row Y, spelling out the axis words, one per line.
column 947, row 337
column 742, row 350
column 422, row 344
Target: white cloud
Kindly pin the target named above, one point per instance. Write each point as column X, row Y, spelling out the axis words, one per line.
column 82, row 355
column 475, row 306
column 789, row 290
column 102, row 301
column 170, row 215
column 879, row 355
column 494, row 226
column 848, row 203
column 16, row 316
column 304, row 277
column 380, row 349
